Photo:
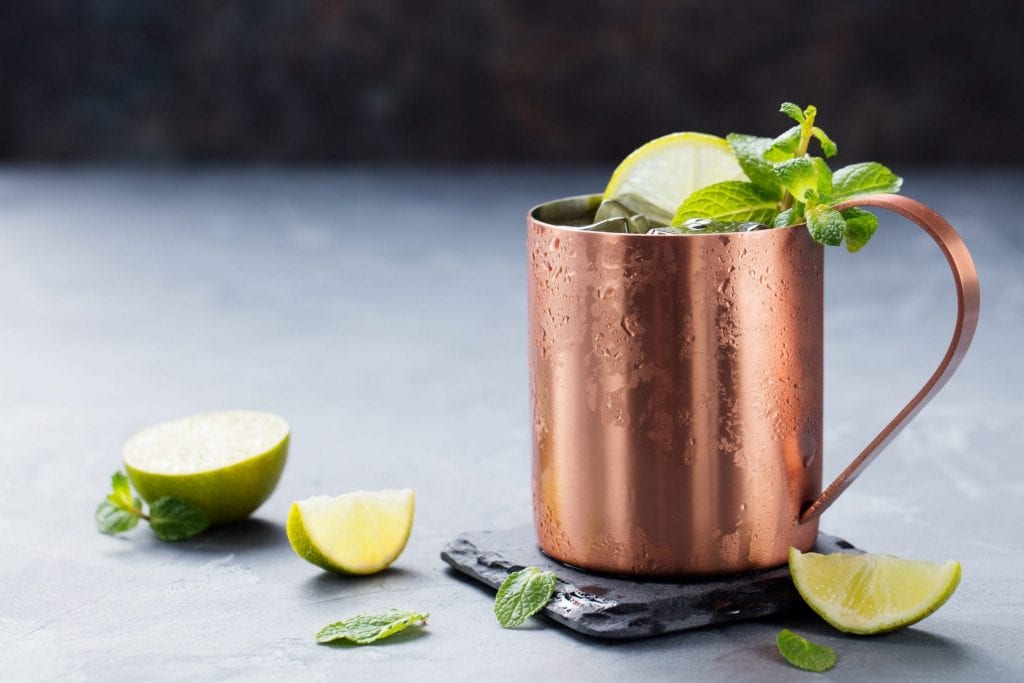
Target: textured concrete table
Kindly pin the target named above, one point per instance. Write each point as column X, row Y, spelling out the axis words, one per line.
column 383, row 314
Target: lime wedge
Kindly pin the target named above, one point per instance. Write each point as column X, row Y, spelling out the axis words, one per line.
column 872, row 593
column 226, row 463
column 666, row 170
column 355, row 533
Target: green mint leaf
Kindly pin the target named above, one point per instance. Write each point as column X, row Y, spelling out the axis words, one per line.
column 367, row 628
column 523, row 594
column 828, row 147
column 750, row 151
column 801, row 177
column 175, row 519
column 803, row 654
column 810, row 113
column 792, row 111
column 785, row 146
column 133, row 505
column 122, row 495
column 823, row 176
column 790, row 216
column 731, row 201
column 826, row 225
column 864, row 178
column 112, row 519
column 860, row 226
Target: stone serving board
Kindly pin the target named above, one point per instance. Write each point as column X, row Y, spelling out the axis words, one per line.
column 606, row 606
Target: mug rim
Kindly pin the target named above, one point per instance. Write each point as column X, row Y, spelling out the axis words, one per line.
column 595, row 198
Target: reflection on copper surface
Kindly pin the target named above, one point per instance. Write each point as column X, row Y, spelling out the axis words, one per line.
column 677, row 395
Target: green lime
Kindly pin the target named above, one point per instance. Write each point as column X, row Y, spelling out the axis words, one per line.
column 872, row 593
column 226, row 463
column 354, row 533
column 666, row 170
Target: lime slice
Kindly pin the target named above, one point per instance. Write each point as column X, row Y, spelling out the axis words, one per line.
column 226, row 463
column 668, row 169
column 872, row 593
column 355, row 533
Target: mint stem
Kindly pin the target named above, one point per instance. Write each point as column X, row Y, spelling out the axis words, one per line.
column 801, row 150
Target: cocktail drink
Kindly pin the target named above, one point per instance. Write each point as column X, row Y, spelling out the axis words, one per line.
column 676, row 353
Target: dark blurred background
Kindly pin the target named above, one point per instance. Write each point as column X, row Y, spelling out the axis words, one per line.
column 459, row 81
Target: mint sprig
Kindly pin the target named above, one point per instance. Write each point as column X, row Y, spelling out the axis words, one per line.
column 522, row 594
column 170, row 517
column 803, row 653
column 363, row 629
column 787, row 185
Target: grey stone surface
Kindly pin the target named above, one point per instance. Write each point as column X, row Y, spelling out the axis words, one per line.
column 617, row 607
column 382, row 312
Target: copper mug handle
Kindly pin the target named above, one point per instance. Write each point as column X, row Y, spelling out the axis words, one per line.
column 968, row 301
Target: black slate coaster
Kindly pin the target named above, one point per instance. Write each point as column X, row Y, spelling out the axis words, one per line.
column 613, row 607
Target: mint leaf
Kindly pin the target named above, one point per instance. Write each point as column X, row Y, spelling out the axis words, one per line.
column 523, row 594
column 122, row 495
column 785, row 146
column 803, row 654
column 860, row 226
column 175, row 519
column 864, row 178
column 790, row 216
column 367, row 628
column 826, row 225
column 111, row 519
column 731, row 200
column 800, row 177
column 828, row 148
column 750, row 151
column 792, row 111
column 823, row 176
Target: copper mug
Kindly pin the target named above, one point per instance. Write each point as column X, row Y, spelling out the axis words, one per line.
column 676, row 384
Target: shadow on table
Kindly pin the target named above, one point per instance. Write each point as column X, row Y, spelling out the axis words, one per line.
column 326, row 586
column 241, row 537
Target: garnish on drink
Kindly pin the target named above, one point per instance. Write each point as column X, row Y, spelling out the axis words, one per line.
column 694, row 183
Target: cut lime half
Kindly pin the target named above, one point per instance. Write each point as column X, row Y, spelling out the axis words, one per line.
column 226, row 463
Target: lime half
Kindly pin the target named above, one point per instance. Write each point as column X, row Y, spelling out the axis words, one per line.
column 355, row 533
column 872, row 593
column 226, row 463
column 666, row 170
